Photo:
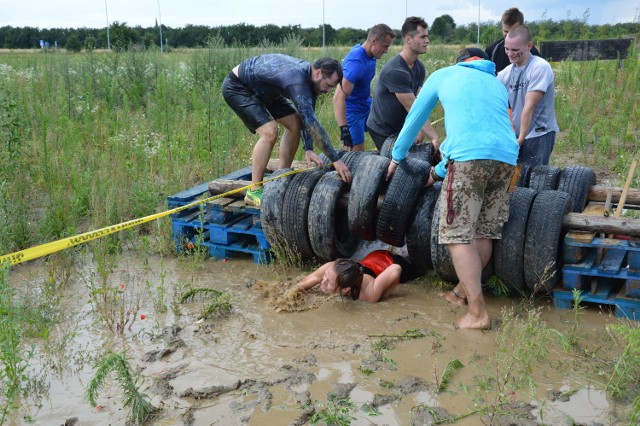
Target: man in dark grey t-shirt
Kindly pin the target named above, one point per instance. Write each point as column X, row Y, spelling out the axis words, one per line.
column 398, row 85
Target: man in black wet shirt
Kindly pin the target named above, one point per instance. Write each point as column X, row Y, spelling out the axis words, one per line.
column 273, row 89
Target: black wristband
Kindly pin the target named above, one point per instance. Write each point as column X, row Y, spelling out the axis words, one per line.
column 435, row 175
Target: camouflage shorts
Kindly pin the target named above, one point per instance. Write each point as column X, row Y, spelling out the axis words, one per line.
column 479, row 199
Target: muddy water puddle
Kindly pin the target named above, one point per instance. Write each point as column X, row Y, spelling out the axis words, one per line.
column 254, row 365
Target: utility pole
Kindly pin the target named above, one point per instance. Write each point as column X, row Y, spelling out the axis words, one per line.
column 106, row 11
column 160, row 15
column 478, row 22
column 323, row 39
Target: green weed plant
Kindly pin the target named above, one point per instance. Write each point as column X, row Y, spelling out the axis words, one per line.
column 334, row 412
column 116, row 303
column 522, row 344
column 14, row 360
column 116, row 363
column 219, row 302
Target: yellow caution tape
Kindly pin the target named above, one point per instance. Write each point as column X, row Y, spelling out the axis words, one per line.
column 65, row 243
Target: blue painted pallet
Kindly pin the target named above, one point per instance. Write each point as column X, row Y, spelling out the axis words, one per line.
column 243, row 244
column 604, row 270
column 586, row 261
column 187, row 228
column 225, row 226
column 242, row 226
column 602, row 294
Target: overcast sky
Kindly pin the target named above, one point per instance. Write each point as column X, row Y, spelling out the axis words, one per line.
column 360, row 14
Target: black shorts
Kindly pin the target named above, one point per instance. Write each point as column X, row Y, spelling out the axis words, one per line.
column 408, row 270
column 378, row 138
column 252, row 109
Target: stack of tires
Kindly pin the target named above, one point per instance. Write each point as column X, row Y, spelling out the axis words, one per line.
column 528, row 258
column 311, row 214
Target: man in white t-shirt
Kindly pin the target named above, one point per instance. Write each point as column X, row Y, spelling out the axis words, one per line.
column 530, row 83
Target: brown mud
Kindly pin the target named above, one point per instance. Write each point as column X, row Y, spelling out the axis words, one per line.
column 255, row 365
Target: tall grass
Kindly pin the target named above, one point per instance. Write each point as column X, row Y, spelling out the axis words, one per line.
column 88, row 140
column 597, row 105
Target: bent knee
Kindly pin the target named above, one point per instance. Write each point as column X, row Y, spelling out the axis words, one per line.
column 268, row 132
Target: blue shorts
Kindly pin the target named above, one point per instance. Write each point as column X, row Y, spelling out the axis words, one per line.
column 357, row 126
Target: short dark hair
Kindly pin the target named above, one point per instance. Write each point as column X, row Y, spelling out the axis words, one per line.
column 512, row 16
column 380, row 31
column 471, row 52
column 521, row 30
column 349, row 275
column 328, row 67
column 411, row 24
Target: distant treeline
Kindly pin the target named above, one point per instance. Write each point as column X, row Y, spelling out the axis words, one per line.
column 442, row 30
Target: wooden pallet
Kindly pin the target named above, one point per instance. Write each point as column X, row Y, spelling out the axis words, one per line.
column 604, row 270
column 225, row 226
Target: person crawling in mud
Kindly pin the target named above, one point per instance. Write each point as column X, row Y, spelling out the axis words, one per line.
column 371, row 279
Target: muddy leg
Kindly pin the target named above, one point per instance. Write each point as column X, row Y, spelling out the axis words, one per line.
column 458, row 295
column 467, row 260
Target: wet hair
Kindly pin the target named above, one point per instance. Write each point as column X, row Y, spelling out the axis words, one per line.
column 512, row 16
column 522, row 31
column 349, row 275
column 380, row 31
column 328, row 66
column 411, row 24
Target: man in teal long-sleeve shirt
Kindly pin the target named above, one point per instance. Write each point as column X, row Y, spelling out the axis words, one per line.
column 478, row 159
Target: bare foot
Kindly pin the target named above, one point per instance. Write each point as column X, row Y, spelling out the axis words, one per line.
column 453, row 297
column 470, row 322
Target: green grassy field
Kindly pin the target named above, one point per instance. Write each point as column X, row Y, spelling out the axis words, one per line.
column 89, row 140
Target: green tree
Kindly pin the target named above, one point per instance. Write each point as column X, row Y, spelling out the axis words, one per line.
column 121, row 36
column 90, row 43
column 442, row 28
column 350, row 36
column 73, row 43
column 489, row 34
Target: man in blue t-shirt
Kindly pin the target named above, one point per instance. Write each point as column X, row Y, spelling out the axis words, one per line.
column 352, row 99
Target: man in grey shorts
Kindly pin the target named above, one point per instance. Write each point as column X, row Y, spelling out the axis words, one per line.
column 273, row 89
column 478, row 159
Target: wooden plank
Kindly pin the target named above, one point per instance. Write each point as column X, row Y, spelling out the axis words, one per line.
column 612, row 261
column 625, row 189
column 221, row 201
column 599, row 193
column 594, row 208
column 220, row 186
column 582, row 236
column 609, row 225
column 274, row 164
